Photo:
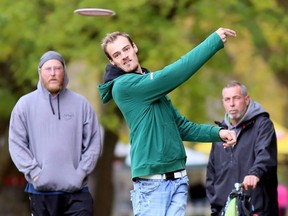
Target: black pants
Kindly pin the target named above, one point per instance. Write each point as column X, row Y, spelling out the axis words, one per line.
column 77, row 204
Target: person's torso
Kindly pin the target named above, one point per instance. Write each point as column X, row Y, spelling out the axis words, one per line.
column 156, row 145
column 234, row 163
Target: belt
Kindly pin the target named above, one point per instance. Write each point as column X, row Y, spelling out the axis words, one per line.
column 167, row 176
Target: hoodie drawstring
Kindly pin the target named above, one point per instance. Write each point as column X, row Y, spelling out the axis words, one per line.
column 58, row 104
column 51, row 105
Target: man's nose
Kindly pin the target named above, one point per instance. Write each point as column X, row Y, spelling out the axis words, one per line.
column 231, row 102
column 52, row 72
column 124, row 55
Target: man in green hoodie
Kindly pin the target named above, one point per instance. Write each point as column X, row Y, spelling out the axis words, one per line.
column 157, row 129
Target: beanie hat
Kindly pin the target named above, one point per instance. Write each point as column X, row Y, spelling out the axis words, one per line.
column 50, row 55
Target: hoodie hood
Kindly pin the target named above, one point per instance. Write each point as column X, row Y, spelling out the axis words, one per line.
column 111, row 73
column 254, row 109
column 105, row 91
column 44, row 58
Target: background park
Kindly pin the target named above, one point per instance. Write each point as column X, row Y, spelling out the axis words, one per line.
column 163, row 32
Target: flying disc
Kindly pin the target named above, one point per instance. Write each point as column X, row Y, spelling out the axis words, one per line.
column 94, row 12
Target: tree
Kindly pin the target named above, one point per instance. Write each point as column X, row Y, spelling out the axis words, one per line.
column 163, row 31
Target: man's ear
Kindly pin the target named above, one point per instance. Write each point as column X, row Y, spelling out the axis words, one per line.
column 135, row 48
column 247, row 100
column 111, row 62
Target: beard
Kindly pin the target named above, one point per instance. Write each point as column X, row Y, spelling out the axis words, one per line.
column 129, row 67
column 236, row 117
column 54, row 88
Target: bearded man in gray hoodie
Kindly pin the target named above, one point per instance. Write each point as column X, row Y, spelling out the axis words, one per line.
column 54, row 140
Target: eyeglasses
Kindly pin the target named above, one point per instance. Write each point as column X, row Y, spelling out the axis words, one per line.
column 55, row 69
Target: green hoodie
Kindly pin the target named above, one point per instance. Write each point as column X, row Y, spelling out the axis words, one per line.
column 157, row 129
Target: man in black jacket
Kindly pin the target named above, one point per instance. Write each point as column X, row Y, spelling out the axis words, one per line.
column 252, row 161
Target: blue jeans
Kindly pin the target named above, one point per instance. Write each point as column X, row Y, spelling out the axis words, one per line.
column 160, row 197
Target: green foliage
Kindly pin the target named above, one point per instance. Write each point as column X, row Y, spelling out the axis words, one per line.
column 6, row 103
column 163, row 31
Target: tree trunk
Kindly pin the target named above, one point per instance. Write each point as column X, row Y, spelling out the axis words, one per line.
column 5, row 160
column 104, row 188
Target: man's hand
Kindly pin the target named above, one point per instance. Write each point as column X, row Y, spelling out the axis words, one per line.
column 250, row 182
column 224, row 33
column 229, row 137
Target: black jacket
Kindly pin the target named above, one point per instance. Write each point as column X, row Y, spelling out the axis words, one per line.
column 254, row 154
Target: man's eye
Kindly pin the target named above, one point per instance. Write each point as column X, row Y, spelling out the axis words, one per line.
column 48, row 69
column 58, row 68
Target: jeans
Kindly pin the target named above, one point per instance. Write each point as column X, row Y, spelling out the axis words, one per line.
column 160, row 197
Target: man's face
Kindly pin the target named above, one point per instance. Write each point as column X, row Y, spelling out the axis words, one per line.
column 235, row 103
column 52, row 76
column 123, row 54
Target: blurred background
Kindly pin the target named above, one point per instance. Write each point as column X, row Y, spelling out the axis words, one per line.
column 163, row 32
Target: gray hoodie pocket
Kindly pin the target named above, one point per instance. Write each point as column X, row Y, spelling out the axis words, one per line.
column 65, row 178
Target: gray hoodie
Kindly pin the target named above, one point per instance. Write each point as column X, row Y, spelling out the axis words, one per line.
column 56, row 138
column 253, row 110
